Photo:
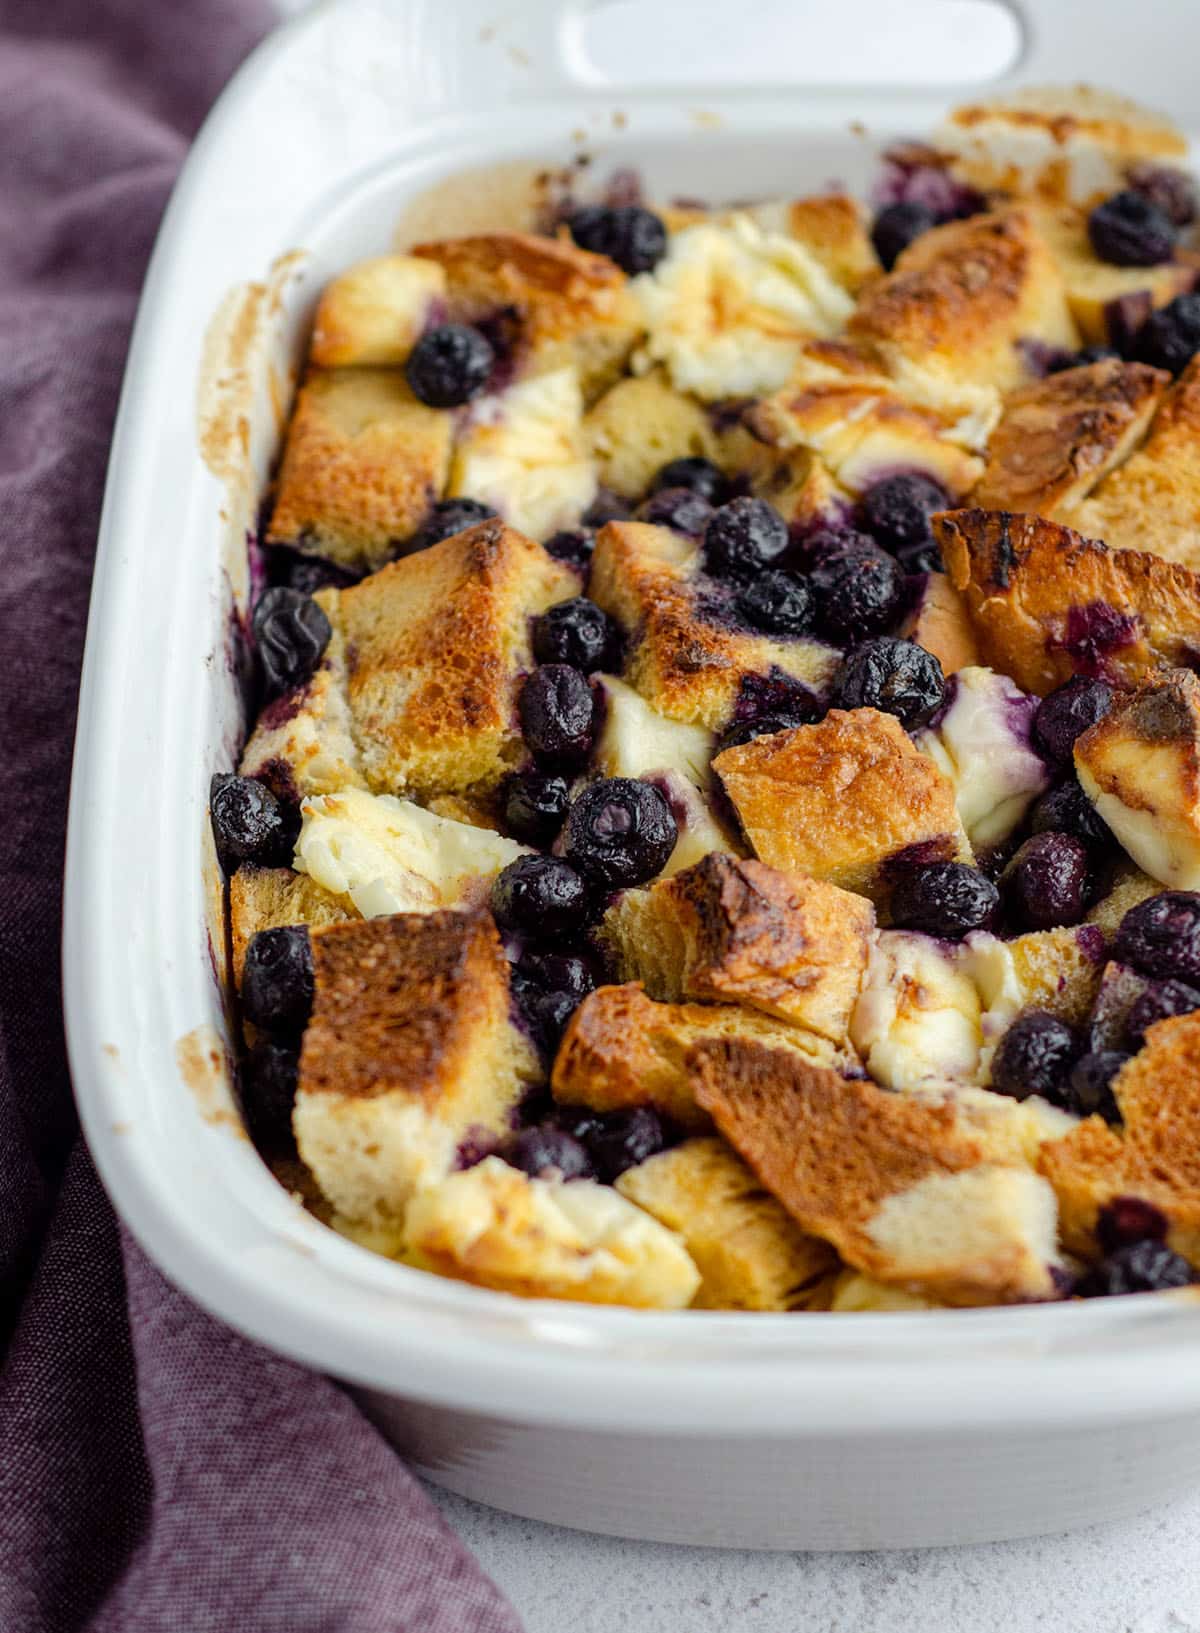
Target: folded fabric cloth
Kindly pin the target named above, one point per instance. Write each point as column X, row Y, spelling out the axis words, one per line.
column 158, row 1474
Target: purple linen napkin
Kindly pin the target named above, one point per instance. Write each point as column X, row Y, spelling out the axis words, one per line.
column 158, row 1474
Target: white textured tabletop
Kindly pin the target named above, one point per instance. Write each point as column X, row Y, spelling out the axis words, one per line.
column 1142, row 1576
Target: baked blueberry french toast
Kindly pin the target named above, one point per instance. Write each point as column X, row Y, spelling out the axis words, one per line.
column 721, row 826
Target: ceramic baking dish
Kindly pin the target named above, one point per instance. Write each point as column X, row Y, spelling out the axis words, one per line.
column 769, row 1431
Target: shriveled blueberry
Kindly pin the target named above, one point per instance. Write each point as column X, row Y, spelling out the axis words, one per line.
column 540, row 896
column 1128, row 1219
column 576, row 632
column 1170, row 337
column 948, row 899
column 1173, row 191
column 450, row 365
column 1034, row 1056
column 547, row 1014
column 620, row 832
column 572, row 545
column 536, row 804
column 777, row 602
column 537, row 1149
column 762, row 725
column 742, row 538
column 250, row 824
column 1080, row 359
column 857, row 593
column 448, row 517
column 633, row 237
column 896, row 510
column 622, row 1139
column 1067, row 809
column 1142, row 1267
column 1045, row 885
column 896, row 227
column 308, row 574
column 1128, row 229
column 269, row 1091
column 1160, row 1000
column 895, row 676
column 677, row 508
column 557, row 710
column 700, row 475
column 1161, row 936
column 558, row 972
column 292, row 633
column 277, row 979
column 1067, row 712
column 1091, row 1084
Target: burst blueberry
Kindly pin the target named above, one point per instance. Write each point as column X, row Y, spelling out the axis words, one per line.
column 1172, row 190
column 573, row 546
column 542, row 896
column 250, row 824
column 1035, row 1056
column 701, row 476
column 777, row 602
column 742, row 538
column 1143, row 1267
column 1161, row 936
column 536, row 805
column 1090, row 1090
column 291, row 632
column 895, row 676
column 550, row 1151
column 547, row 1014
column 449, row 365
column 628, row 234
column 620, row 832
column 1081, row 359
column 896, row 227
column 277, row 979
column 558, row 972
column 1170, row 337
column 948, row 899
column 557, row 711
column 1129, row 1219
column 763, row 725
column 680, row 509
column 1129, row 229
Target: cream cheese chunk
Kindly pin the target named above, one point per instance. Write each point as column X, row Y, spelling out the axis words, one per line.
column 982, row 743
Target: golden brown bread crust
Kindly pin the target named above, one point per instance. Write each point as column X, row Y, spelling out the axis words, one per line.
column 1058, row 437
column 939, row 622
column 793, row 480
column 831, row 225
column 267, row 898
column 1047, row 604
column 840, row 799
column 641, row 424
column 375, row 311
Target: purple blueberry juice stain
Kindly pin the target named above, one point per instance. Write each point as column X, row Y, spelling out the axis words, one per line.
column 1124, row 316
column 1094, row 632
column 774, row 693
column 914, row 173
column 1090, row 940
column 282, row 709
column 476, row 1144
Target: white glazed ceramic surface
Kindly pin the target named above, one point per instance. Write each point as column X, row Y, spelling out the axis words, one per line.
column 772, row 1431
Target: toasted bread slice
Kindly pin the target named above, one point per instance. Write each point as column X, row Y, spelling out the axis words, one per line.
column 373, row 313
column 749, row 1251
column 842, row 799
column 496, row 1227
column 409, row 1051
column 641, row 424
column 268, row 898
column 1093, row 285
column 1140, row 767
column 686, row 664
column 938, row 620
column 363, row 463
column 1058, row 437
column 931, row 1194
column 731, row 931
column 1047, row 604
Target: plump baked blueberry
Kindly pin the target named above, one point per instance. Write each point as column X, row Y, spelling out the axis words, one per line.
column 277, row 979
column 557, row 710
column 1129, row 229
column 896, row 510
column 620, row 832
column 948, row 899
column 607, row 506
column 1172, row 191
column 1126, row 1220
column 1090, row 1089
column 268, row 1086
column 621, row 1139
column 898, row 677
column 547, row 1014
column 572, row 545
column 633, row 237
column 250, row 824
column 1067, row 712
column 1045, row 884
column 557, row 972
column 1170, row 337
column 575, row 632
column 540, row 896
column 1034, row 1056
column 448, row 517
column 535, row 805
column 1160, row 1000
column 450, row 365
column 762, row 725
column 537, row 1149
column 292, row 633
column 1161, row 936
column 1067, row 809
column 700, row 475
column 777, row 602
column 896, row 227
column 857, row 593
column 1143, row 1267
column 676, row 508
column 742, row 538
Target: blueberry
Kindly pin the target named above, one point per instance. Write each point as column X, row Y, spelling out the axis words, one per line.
column 540, row 896
column 535, row 805
column 575, row 632
column 946, row 899
column 277, row 979
column 607, row 506
column 633, row 237
column 558, row 972
column 1126, row 1220
column 677, row 508
column 547, row 1014
column 1170, row 337
column 700, row 475
column 777, row 602
column 1161, row 936
column 1160, row 1000
column 829, row 543
column 1173, row 191
column 1080, row 359
column 1067, row 809
column 448, row 517
column 1034, row 1057
column 1045, row 885
column 249, row 824
column 898, row 677
column 1091, row 1084
column 897, row 509
column 537, row 1149
column 308, row 574
column 920, row 558
column 269, row 1091
column 1065, row 714
column 622, row 1139
column 620, row 832
column 557, row 710
column 742, row 538
column 572, row 545
column 1142, row 1267
column 449, row 366
column 896, row 227
column 1129, row 230
column 292, row 633
column 857, row 593
column 761, row 725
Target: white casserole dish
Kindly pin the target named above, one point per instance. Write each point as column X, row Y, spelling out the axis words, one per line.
column 768, row 1431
